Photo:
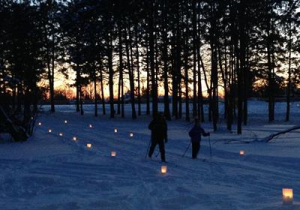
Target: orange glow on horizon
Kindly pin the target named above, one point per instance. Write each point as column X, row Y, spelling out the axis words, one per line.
column 70, row 92
column 65, row 87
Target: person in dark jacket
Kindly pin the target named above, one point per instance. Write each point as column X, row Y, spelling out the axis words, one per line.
column 195, row 134
column 158, row 127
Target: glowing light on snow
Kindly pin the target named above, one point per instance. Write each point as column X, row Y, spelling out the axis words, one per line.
column 113, row 154
column 287, row 196
column 49, row 130
column 40, row 123
column 66, row 121
column 61, row 134
column 116, row 130
column 89, row 145
column 74, row 138
column 163, row 169
column 242, row 153
column 90, row 125
column 131, row 134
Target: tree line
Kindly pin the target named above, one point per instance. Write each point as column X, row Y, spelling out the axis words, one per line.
column 193, row 49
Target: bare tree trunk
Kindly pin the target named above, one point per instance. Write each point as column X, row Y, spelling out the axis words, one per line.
column 130, row 72
column 102, row 91
column 166, row 97
column 180, row 99
column 119, row 94
column 288, row 91
column 51, row 86
column 195, row 46
column 227, row 86
column 214, row 70
column 234, row 65
column 138, row 71
column 50, row 67
column 81, row 100
column 121, row 85
column 207, row 85
column 165, row 60
column 200, row 65
column 148, row 82
column 230, row 91
column 120, row 71
column 111, row 76
column 246, row 86
column 122, row 98
column 186, row 80
column 95, row 91
column 177, row 70
column 152, row 62
column 52, row 75
column 242, row 69
column 200, row 95
column 175, row 82
column 270, row 65
column 78, row 80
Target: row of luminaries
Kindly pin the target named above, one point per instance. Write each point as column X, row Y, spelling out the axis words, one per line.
column 287, row 193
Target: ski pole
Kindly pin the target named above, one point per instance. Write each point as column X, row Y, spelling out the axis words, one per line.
column 209, row 147
column 148, row 148
column 186, row 149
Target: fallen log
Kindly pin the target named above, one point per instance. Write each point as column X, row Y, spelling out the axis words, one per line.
column 272, row 136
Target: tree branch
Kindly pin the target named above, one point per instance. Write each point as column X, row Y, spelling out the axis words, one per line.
column 272, row 136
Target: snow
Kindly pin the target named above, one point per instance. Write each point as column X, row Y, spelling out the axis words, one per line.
column 50, row 171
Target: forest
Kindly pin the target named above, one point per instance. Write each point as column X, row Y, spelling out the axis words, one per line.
column 196, row 51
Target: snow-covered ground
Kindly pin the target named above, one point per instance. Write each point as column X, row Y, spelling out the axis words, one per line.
column 52, row 172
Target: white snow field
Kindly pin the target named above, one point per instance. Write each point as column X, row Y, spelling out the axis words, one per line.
column 52, row 172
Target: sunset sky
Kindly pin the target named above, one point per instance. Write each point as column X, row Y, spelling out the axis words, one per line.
column 65, row 84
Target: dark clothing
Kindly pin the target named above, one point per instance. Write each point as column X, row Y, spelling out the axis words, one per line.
column 195, row 134
column 158, row 129
column 161, row 149
column 195, row 149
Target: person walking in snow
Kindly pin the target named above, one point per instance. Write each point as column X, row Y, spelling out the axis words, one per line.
column 195, row 134
column 158, row 127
